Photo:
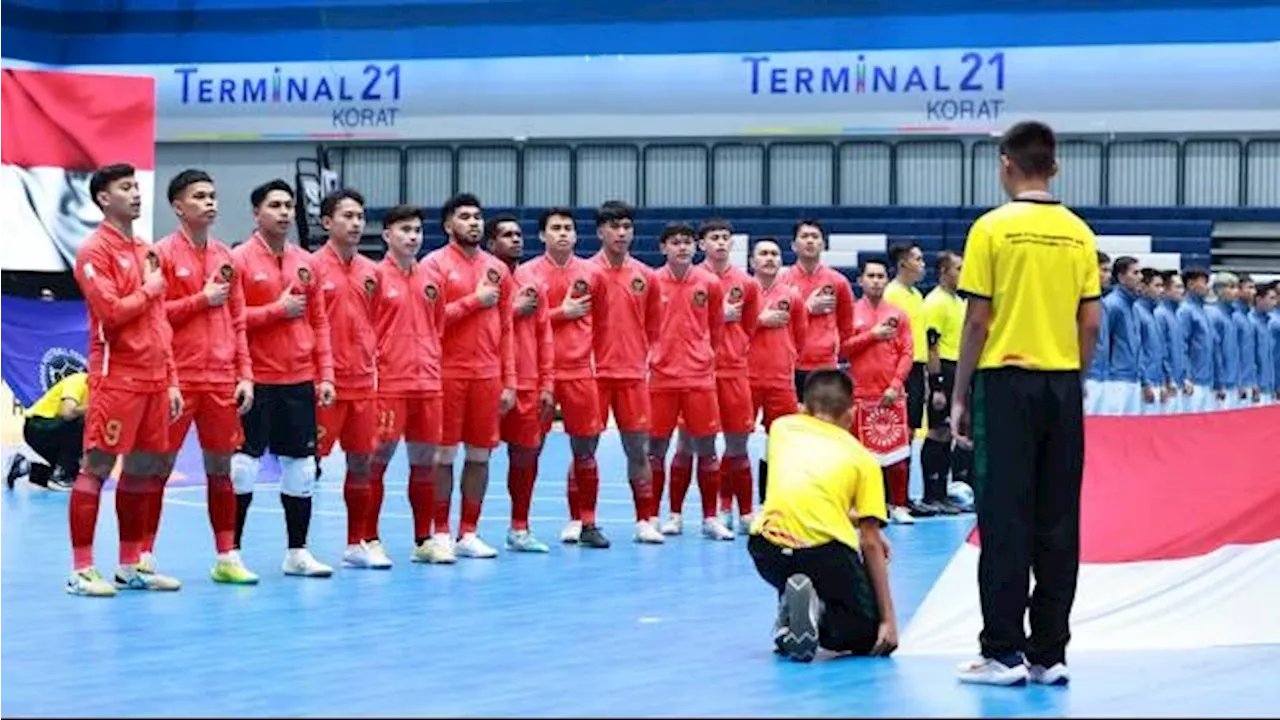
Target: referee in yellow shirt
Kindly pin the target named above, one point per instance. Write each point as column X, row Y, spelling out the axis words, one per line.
column 817, row 538
column 54, row 427
column 1031, row 277
column 943, row 319
column 908, row 263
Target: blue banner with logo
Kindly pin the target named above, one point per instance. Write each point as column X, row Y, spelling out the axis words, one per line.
column 44, row 341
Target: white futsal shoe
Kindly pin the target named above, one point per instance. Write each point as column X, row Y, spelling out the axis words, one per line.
column 378, row 553
column 648, row 534
column 1057, row 674
column 365, row 555
column 471, row 546
column 572, row 532
column 300, row 562
column 744, row 524
column 674, row 525
column 713, row 529
column 438, row 550
column 899, row 515
column 989, row 671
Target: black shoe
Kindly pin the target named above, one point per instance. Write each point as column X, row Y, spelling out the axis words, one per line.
column 919, row 509
column 19, row 466
column 799, row 639
column 592, row 537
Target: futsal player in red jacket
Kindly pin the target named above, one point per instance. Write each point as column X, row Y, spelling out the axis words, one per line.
column 349, row 287
column 133, row 385
column 524, row 427
column 288, row 333
column 479, row 369
column 205, row 306
column 682, row 381
column 410, row 323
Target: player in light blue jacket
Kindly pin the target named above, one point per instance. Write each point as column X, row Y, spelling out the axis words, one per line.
column 1095, row 377
column 1226, row 349
column 1267, row 337
column 1175, row 346
column 1123, row 394
column 1198, row 338
column 1151, row 367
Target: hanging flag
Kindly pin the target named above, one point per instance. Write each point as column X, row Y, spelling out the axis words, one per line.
column 58, row 128
column 1180, row 540
column 43, row 343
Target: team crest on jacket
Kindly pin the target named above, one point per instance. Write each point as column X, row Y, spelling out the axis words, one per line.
column 304, row 275
column 784, row 305
column 637, row 284
column 370, row 285
column 579, row 287
column 493, row 276
column 828, row 289
column 700, row 297
column 226, row 272
column 153, row 260
column 430, row 291
column 530, row 291
column 735, row 294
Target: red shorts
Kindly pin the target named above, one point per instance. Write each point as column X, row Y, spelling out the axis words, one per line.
column 523, row 425
column 416, row 419
column 124, row 421
column 697, row 408
column 354, row 422
column 629, row 400
column 470, row 412
column 579, row 402
column 216, row 417
column 734, row 397
column 775, row 402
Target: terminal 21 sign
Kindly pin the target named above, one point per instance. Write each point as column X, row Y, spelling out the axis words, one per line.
column 1101, row 89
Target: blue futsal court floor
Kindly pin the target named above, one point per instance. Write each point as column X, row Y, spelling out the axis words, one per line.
column 680, row 629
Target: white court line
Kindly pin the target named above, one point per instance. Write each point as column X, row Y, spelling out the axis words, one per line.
column 402, row 516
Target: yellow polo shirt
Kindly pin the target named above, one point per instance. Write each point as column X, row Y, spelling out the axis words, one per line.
column 72, row 387
column 944, row 312
column 817, row 473
column 911, row 302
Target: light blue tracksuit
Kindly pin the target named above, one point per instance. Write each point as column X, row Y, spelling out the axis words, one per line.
column 1198, row 339
column 1175, row 351
column 1226, row 354
column 1151, row 372
column 1246, row 335
column 1123, row 395
column 1096, row 376
column 1266, row 343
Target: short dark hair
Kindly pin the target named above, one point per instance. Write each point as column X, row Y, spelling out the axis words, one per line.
column 400, row 213
column 184, row 180
column 331, row 201
column 553, row 212
column 1168, row 275
column 491, row 225
column 674, row 229
column 1122, row 265
column 612, row 211
column 1103, row 257
column 713, row 225
column 1267, row 287
column 1244, row 277
column 1194, row 273
column 102, row 179
column 1149, row 274
column 899, row 251
column 460, row 200
column 828, row 392
column 946, row 259
column 1031, row 147
column 795, row 229
column 260, row 193
column 868, row 262
column 766, row 238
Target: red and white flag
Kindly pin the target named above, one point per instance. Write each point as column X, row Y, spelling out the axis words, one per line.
column 1180, row 540
column 58, row 128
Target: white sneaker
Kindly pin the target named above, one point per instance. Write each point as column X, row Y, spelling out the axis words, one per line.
column 437, row 551
column 713, row 529
column 571, row 532
column 471, row 546
column 1055, row 675
column 674, row 525
column 648, row 534
column 378, row 555
column 357, row 556
column 726, row 518
column 989, row 671
column 901, row 516
column 744, row 524
column 300, row 562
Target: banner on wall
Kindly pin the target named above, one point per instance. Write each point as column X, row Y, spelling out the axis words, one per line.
column 1091, row 89
column 58, row 128
column 43, row 343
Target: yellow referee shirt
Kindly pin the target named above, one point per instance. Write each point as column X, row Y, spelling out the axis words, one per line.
column 72, row 387
column 1036, row 261
column 911, row 302
column 817, row 473
column 944, row 312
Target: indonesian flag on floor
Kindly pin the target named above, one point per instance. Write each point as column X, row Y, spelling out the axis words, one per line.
column 58, row 128
column 1180, row 533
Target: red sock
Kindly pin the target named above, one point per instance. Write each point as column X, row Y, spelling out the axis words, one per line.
column 520, row 480
column 573, row 496
column 588, row 474
column 727, row 485
column 658, row 471
column 422, row 492
column 470, row 516
column 355, row 490
column 221, row 498
column 86, row 494
column 132, row 509
column 681, row 479
column 735, row 476
column 897, row 476
column 155, row 508
column 444, row 503
column 642, row 497
column 708, row 484
column 377, row 491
